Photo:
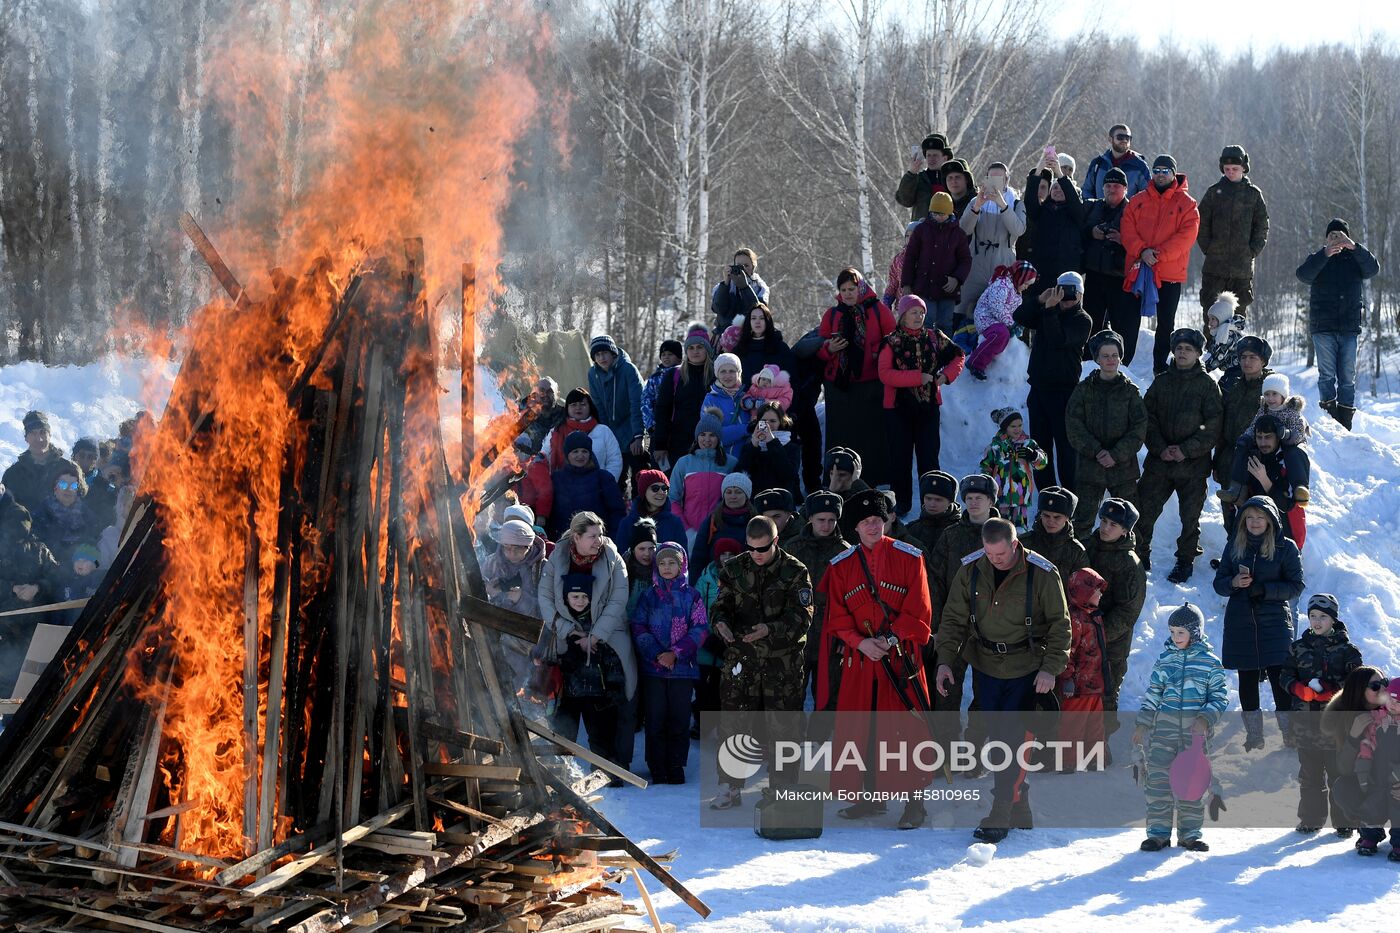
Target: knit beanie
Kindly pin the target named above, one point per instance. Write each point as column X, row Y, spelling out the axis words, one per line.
column 576, row 440
column 941, row 204
column 1276, row 382
column 514, row 532
column 1004, row 416
column 1325, row 602
column 1071, row 280
column 520, row 512
column 1115, row 176
column 648, row 478
column 1068, row 162
column 644, row 530
column 906, row 304
column 602, row 342
column 672, row 347
column 728, row 359
column 727, row 546
column 1165, row 161
column 1224, row 306
column 86, row 552
column 1190, row 618
column 578, row 583
column 35, row 420
column 738, row 481
column 708, row 424
column 1337, row 223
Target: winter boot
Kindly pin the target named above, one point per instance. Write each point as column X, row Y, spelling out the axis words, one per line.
column 1329, row 405
column 1193, row 845
column 1181, row 572
column 913, row 816
column 1344, row 832
column 1233, row 493
column 995, row 826
column 1394, row 855
column 862, row 809
column 1021, row 811
column 1154, row 844
column 1367, row 847
column 1301, row 496
column 1285, row 722
column 727, row 799
column 1344, row 414
column 1306, row 830
column 1253, row 729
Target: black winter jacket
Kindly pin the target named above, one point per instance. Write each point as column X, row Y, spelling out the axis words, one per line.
column 1335, row 302
column 1058, row 344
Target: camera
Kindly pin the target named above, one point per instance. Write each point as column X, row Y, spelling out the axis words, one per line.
column 736, row 270
column 1068, row 293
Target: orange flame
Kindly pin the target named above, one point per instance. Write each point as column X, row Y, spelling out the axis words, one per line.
column 409, row 127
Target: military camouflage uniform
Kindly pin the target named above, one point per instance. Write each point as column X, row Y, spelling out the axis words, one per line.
column 957, row 541
column 1184, row 408
column 1328, row 659
column 1104, row 415
column 1062, row 549
column 816, row 554
column 1121, row 605
column 767, row 674
column 1240, row 400
column 926, row 530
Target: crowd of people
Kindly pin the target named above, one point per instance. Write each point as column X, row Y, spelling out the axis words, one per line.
column 700, row 539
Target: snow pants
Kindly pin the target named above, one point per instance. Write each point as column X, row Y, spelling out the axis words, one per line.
column 1167, row 740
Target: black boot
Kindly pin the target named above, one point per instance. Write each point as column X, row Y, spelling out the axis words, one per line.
column 995, row 826
column 1344, row 414
column 913, row 816
column 1021, row 811
column 1193, row 845
column 1154, row 844
column 1181, row 572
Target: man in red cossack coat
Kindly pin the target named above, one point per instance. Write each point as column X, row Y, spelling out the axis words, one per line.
column 873, row 589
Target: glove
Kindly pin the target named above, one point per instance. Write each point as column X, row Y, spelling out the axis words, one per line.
column 1304, row 692
column 1025, row 453
column 1316, row 685
column 1217, row 804
column 1067, row 688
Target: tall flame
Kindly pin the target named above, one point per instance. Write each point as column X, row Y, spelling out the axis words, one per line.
column 409, row 118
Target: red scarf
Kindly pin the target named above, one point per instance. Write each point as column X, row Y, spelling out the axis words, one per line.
column 556, row 446
column 580, row 564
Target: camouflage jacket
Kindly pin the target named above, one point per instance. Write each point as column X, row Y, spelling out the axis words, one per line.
column 957, row 541
column 778, row 595
column 1106, row 415
column 1119, row 564
column 1184, row 409
column 1240, row 403
column 1326, row 658
column 1062, row 549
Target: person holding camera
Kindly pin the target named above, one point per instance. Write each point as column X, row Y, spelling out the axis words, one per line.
column 739, row 292
column 1061, row 330
column 919, row 183
column 1336, row 304
column 1104, row 259
column 1053, row 224
column 994, row 220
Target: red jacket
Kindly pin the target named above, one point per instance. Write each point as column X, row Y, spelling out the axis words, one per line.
column 936, row 251
column 1087, row 647
column 879, row 323
column 852, row 615
column 1166, row 221
column 536, row 489
column 949, row 363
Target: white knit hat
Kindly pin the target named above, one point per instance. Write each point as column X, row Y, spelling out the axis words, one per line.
column 1276, row 382
column 728, row 359
column 519, row 511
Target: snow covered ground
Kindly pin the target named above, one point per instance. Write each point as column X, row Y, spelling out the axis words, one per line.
column 876, row 879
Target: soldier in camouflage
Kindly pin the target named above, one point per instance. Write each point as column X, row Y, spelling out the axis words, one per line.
column 778, row 505
column 1183, row 422
column 1112, row 554
column 1241, row 389
column 1107, row 426
column 937, row 490
column 1052, row 535
column 762, row 616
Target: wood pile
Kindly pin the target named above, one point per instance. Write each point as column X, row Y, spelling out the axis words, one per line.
column 387, row 778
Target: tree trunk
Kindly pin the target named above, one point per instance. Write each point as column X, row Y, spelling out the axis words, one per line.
column 702, row 147
column 867, row 252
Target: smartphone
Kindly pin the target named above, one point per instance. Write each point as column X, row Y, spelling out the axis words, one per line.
column 1246, row 571
column 1050, row 153
column 915, row 153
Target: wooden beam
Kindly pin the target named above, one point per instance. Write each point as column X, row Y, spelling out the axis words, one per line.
column 211, row 256
column 578, row 751
column 481, row 772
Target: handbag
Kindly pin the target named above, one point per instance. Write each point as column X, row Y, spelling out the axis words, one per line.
column 546, row 679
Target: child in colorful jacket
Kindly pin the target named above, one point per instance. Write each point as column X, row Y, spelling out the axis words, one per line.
column 1081, row 685
column 1185, row 697
column 1224, row 328
column 669, row 623
column 770, row 384
column 992, row 315
column 1012, row 459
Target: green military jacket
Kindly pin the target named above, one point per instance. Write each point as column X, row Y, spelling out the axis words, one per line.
column 1106, row 415
column 1184, row 408
column 1062, row 549
column 779, row 595
column 1120, row 566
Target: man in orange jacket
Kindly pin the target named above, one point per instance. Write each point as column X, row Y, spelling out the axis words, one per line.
column 1158, row 229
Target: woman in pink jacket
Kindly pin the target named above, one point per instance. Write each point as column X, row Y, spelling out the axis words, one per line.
column 915, row 363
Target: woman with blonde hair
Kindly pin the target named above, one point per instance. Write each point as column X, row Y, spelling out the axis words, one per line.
column 1261, row 573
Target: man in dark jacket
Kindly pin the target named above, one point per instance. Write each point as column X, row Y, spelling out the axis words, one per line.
column 1336, row 304
column 1119, row 155
column 1234, row 228
column 30, row 479
column 936, row 262
column 1052, row 535
column 918, row 184
column 1053, row 225
column 1104, row 260
column 1268, row 476
column 1240, row 390
column 27, row 572
column 741, row 290
column 819, row 541
column 1184, row 409
column 1061, row 329
column 1111, row 553
column 1107, row 426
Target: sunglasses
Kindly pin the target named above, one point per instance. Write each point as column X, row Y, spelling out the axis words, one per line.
column 767, row 548
column 1122, row 137
column 1162, row 171
column 66, row 484
column 658, row 487
column 1378, row 685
